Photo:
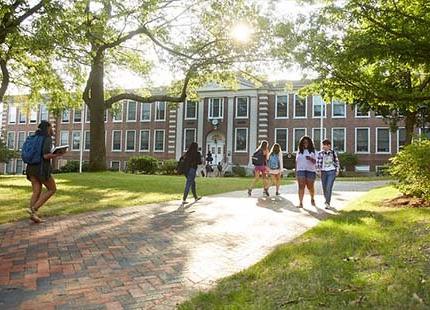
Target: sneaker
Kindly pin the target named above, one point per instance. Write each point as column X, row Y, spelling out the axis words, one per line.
column 36, row 219
column 313, row 202
column 327, row 206
column 249, row 192
column 277, row 194
column 184, row 202
column 266, row 192
column 300, row 206
column 197, row 198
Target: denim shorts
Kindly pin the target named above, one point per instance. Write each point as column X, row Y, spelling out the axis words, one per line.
column 305, row 174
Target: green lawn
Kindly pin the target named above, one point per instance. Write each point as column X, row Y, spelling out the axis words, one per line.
column 367, row 257
column 96, row 191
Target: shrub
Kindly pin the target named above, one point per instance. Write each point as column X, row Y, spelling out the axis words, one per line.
column 142, row 164
column 168, row 167
column 239, row 171
column 347, row 161
column 411, row 167
column 73, row 166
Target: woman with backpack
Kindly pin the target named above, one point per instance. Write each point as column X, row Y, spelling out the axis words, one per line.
column 40, row 174
column 276, row 166
column 306, row 168
column 192, row 159
column 259, row 160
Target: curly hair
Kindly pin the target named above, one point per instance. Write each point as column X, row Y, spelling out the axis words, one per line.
column 310, row 148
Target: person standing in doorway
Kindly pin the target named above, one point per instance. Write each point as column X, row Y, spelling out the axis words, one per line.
column 259, row 160
column 276, row 166
column 306, row 169
column 328, row 169
column 192, row 159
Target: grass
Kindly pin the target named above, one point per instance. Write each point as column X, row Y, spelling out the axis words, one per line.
column 97, row 191
column 366, row 257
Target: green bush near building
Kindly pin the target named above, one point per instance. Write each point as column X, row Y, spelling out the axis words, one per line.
column 142, row 164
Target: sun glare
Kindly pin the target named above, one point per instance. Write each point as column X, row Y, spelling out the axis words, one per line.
column 241, row 32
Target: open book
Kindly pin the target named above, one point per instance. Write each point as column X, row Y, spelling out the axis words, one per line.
column 60, row 149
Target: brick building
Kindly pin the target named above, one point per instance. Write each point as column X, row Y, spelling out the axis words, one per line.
column 228, row 122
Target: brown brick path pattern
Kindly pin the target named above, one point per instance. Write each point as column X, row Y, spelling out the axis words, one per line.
column 147, row 257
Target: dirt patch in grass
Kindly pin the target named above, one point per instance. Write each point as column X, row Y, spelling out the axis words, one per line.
column 406, row 201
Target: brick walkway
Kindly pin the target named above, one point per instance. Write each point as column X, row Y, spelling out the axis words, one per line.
column 148, row 257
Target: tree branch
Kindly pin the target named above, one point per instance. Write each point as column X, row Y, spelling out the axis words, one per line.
column 31, row 11
column 5, row 78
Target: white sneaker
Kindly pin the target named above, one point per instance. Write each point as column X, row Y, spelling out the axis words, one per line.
column 327, row 206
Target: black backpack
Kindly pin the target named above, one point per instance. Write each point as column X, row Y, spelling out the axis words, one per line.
column 181, row 167
column 258, row 158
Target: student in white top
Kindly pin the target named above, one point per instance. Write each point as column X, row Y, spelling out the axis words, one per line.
column 276, row 166
column 328, row 169
column 305, row 168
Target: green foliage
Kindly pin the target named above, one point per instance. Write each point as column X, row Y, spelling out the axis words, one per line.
column 347, row 160
column 73, row 166
column 239, row 171
column 5, row 153
column 411, row 167
column 168, row 167
column 142, row 164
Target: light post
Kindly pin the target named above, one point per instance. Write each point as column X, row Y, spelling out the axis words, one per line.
column 424, row 112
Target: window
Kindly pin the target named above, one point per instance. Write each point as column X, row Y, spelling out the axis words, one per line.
column 44, row 114
column 216, row 108
column 160, row 111
column 145, row 112
column 191, row 110
column 12, row 114
column 115, row 165
column 298, row 134
column 378, row 115
column 242, row 107
column 316, row 137
column 19, row 166
column 241, row 141
column 281, row 137
column 131, row 111
column 33, row 116
column 425, row 133
column 281, row 107
column 318, row 107
column 361, row 113
column 338, row 137
column 362, row 137
column 21, row 139
column 130, row 140
column 189, row 137
column 77, row 116
column 64, row 137
column 11, row 140
column 362, row 168
column 299, row 107
column 144, row 141
column 159, row 140
column 22, row 116
column 65, row 116
column 9, row 167
column 401, row 138
column 87, row 114
column 117, row 112
column 76, row 140
column 116, row 140
column 338, row 109
column 87, row 140
column 383, row 140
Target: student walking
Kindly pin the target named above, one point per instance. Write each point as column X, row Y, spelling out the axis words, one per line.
column 328, row 169
column 305, row 169
column 276, row 166
column 192, row 159
column 40, row 174
column 259, row 160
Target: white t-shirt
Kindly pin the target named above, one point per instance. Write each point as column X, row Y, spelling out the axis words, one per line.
column 303, row 164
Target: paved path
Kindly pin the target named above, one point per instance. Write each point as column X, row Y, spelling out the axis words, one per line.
column 149, row 257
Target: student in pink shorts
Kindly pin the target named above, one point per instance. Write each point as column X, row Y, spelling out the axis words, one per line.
column 259, row 160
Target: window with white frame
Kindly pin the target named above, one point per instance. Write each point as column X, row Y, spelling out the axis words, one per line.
column 281, row 137
column 362, row 137
column 145, row 111
column 21, row 139
column 64, row 137
column 242, row 107
column 281, row 106
column 401, row 138
column 76, row 140
column 19, row 169
column 191, row 109
column 338, row 137
column 378, row 115
column 298, row 134
column 299, row 106
column 159, row 140
column 9, row 167
column 116, row 140
column 216, row 108
column 318, row 107
column 360, row 112
column 189, row 137
column 362, row 168
column 44, row 114
column 115, row 165
column 33, row 116
column 130, row 140
column 241, row 140
column 87, row 140
column 131, row 111
column 316, row 137
column 117, row 112
column 160, row 111
column 87, row 114
column 425, row 133
column 22, row 116
column 383, row 140
column 11, row 140
column 338, row 109
column 12, row 111
column 144, row 140
column 65, row 116
column 77, row 116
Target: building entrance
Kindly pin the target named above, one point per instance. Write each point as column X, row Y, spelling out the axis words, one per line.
column 215, row 143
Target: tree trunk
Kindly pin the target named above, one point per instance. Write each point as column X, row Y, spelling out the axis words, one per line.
column 410, row 120
column 97, row 124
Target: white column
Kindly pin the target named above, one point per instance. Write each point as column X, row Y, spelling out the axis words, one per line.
column 253, row 117
column 230, row 137
column 179, row 129
column 200, row 119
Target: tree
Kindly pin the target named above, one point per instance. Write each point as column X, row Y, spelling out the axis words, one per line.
column 370, row 53
column 95, row 36
column 5, row 153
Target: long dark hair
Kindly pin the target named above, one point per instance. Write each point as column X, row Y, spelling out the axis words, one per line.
column 192, row 152
column 43, row 128
column 264, row 145
column 311, row 147
column 276, row 149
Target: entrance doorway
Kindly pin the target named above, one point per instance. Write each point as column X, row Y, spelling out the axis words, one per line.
column 215, row 143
